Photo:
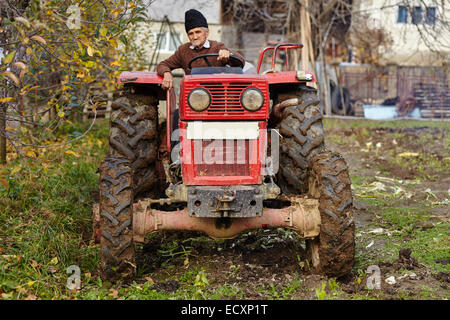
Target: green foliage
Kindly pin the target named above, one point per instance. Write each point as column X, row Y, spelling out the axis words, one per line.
column 200, row 279
column 46, row 217
column 321, row 294
column 172, row 250
column 58, row 50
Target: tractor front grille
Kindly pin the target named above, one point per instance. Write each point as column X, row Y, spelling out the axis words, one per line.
column 226, row 98
column 225, row 158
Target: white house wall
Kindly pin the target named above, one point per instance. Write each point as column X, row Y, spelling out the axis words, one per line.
column 409, row 47
column 175, row 9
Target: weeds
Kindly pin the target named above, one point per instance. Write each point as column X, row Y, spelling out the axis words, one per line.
column 172, row 250
column 321, row 294
column 45, row 214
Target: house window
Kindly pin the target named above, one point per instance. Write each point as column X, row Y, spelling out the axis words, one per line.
column 167, row 41
column 402, row 14
column 430, row 16
column 416, row 16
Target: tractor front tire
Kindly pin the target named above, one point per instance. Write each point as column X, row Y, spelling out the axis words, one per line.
column 332, row 253
column 303, row 137
column 116, row 220
column 134, row 135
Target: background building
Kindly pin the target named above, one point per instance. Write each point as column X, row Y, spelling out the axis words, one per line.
column 419, row 30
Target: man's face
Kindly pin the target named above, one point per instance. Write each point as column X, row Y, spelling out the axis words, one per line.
column 198, row 36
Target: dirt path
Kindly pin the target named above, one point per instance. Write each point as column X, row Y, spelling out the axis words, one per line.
column 401, row 187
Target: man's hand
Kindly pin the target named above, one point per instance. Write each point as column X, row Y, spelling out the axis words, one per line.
column 167, row 81
column 223, row 55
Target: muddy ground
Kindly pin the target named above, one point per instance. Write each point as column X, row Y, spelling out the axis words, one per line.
column 401, row 185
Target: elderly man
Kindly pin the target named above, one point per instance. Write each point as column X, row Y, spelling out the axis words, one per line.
column 198, row 32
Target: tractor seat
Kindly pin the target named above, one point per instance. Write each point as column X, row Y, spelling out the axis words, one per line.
column 213, row 70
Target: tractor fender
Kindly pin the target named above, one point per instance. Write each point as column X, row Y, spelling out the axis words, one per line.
column 289, row 77
column 144, row 79
column 140, row 77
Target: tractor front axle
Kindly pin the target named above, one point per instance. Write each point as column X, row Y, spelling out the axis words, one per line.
column 302, row 216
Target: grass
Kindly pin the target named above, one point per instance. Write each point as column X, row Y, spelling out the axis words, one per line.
column 357, row 123
column 407, row 227
column 45, row 215
column 46, row 208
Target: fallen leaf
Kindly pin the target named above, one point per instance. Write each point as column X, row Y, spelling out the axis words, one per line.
column 408, row 154
column 14, row 170
column 377, row 230
column 72, row 153
column 6, row 295
column 390, row 280
column 149, row 280
column 52, row 269
column 114, row 293
column 5, row 183
column 22, row 290
column 34, row 263
column 54, row 261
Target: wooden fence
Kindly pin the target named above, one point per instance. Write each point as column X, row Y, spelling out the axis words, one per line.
column 428, row 86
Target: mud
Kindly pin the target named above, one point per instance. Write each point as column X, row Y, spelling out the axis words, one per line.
column 259, row 260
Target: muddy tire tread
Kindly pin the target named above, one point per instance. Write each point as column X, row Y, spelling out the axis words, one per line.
column 134, row 135
column 116, row 198
column 337, row 231
column 303, row 137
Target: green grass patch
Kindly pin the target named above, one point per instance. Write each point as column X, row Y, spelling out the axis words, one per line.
column 361, row 123
column 46, row 215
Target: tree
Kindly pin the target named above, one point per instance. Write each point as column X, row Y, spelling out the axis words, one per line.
column 53, row 50
column 328, row 18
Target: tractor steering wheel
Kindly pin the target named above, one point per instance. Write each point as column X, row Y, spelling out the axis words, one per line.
column 205, row 57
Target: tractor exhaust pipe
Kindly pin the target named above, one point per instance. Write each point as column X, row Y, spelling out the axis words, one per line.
column 302, row 216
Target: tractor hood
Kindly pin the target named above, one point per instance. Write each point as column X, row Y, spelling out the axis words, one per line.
column 225, row 93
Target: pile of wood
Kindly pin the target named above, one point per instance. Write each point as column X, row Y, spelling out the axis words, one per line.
column 433, row 99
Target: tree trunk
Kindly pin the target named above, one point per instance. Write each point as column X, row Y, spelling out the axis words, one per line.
column 2, row 134
column 324, row 92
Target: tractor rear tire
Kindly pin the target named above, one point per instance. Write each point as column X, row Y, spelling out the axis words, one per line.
column 303, row 137
column 116, row 220
column 333, row 251
column 134, row 135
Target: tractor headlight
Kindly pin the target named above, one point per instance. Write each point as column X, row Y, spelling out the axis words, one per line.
column 252, row 99
column 199, row 99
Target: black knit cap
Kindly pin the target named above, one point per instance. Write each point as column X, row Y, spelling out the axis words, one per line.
column 194, row 19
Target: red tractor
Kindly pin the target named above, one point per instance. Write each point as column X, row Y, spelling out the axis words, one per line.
column 241, row 152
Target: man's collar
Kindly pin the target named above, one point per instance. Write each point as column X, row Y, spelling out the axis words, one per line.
column 206, row 45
